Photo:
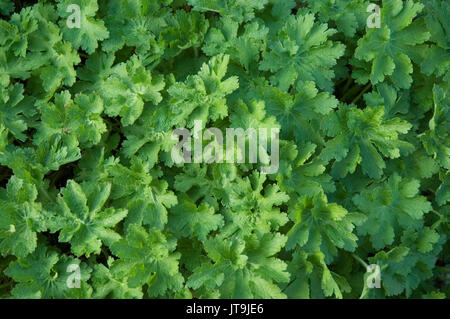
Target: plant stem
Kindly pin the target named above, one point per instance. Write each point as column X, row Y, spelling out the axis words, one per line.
column 435, row 212
column 364, row 293
column 443, row 269
column 6, row 284
column 362, row 262
column 350, row 92
column 356, row 99
column 349, row 81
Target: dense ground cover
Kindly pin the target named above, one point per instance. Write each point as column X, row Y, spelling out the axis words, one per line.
column 93, row 204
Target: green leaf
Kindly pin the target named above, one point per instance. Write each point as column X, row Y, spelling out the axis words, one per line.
column 14, row 110
column 238, row 10
column 390, row 207
column 389, row 49
column 363, row 135
column 242, row 269
column 147, row 258
column 436, row 139
column 127, row 89
column 91, row 30
column 79, row 118
column 302, row 52
column 188, row 220
column 320, row 226
column 145, row 197
column 107, row 285
column 349, row 16
column 22, row 217
column 82, row 220
column 311, row 278
column 46, row 274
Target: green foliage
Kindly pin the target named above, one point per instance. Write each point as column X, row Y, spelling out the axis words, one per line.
column 128, row 87
column 148, row 258
column 92, row 204
column 21, row 218
column 391, row 206
column 389, row 49
column 320, row 226
column 301, row 51
column 91, row 29
column 242, row 268
column 79, row 217
column 43, row 274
